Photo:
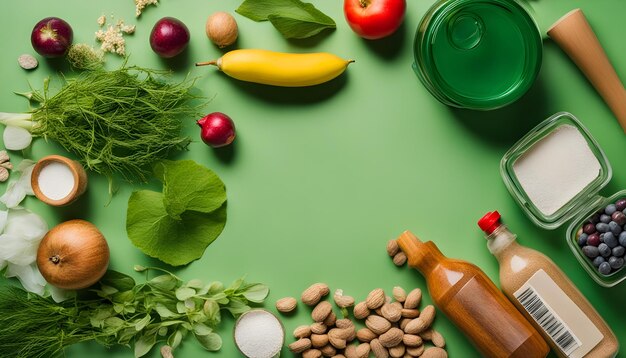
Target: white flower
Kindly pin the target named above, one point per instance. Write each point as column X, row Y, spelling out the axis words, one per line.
column 17, row 190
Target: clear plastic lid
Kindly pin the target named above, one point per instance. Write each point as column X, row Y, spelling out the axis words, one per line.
column 581, row 198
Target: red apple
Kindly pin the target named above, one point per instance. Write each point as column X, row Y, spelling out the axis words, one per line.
column 169, row 37
column 217, row 129
column 374, row 19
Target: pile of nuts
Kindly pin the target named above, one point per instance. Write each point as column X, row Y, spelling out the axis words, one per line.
column 393, row 250
column 392, row 328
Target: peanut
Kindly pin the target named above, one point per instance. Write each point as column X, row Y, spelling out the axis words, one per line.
column 312, row 295
column 397, row 351
column 321, row 311
column 341, row 300
column 311, row 353
column 413, row 299
column 300, row 345
column 350, row 352
column 328, row 351
column 363, row 350
column 286, row 305
column 399, row 294
column 392, row 248
column 318, row 328
column 361, row 311
column 391, row 338
column 378, row 349
column 302, row 332
column 330, row 320
column 399, row 259
column 375, row 299
column 377, row 324
column 344, row 323
column 319, row 340
column 365, row 335
column 434, row 352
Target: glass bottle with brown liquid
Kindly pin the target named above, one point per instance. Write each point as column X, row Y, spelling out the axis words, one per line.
column 473, row 303
column 547, row 297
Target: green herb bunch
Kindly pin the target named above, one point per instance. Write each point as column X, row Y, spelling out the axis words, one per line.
column 119, row 121
column 163, row 309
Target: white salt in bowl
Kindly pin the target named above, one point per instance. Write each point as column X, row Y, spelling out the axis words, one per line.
column 259, row 334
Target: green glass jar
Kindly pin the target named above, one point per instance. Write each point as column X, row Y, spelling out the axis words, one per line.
column 477, row 54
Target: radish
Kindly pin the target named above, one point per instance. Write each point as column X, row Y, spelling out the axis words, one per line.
column 218, row 129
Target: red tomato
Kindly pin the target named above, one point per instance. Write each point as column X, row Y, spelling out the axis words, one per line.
column 374, row 19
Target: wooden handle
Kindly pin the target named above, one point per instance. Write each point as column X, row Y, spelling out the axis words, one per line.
column 576, row 37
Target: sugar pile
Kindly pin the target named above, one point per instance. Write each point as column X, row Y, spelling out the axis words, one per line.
column 556, row 168
column 259, row 334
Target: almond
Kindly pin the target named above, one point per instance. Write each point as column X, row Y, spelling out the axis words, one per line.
column 392, row 248
column 330, row 320
column 286, row 305
column 365, row 335
column 302, row 332
column 412, row 340
column 375, row 299
column 410, row 312
column 321, row 311
column 318, row 328
column 434, row 352
column 399, row 294
column 377, row 324
column 397, row 351
column 363, row 350
column 344, row 323
column 312, row 295
column 415, row 351
column 350, row 352
column 328, row 351
column 378, row 349
column 311, row 353
column 391, row 312
column 341, row 300
column 428, row 315
column 399, row 259
column 391, row 338
column 433, row 336
column 300, row 345
column 416, row 325
column 361, row 311
column 413, row 299
column 404, row 322
column 341, row 333
column 319, row 340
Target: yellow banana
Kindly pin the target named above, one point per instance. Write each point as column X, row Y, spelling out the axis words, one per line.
column 280, row 69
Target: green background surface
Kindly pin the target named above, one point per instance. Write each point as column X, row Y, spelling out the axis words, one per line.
column 320, row 178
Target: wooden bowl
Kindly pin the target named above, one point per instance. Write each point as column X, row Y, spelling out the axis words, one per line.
column 78, row 172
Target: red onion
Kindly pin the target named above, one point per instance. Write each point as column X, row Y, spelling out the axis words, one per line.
column 218, row 129
column 169, row 37
column 52, row 37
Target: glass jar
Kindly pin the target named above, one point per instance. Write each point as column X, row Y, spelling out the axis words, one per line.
column 477, row 54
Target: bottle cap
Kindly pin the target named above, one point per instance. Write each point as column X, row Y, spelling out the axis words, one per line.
column 490, row 222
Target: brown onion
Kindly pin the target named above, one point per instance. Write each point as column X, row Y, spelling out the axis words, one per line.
column 73, row 255
column 221, row 29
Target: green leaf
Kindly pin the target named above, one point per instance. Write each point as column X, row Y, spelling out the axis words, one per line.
column 293, row 18
column 144, row 344
column 118, row 280
column 256, row 293
column 195, row 283
column 175, row 339
column 142, row 323
column 175, row 242
column 211, row 308
column 188, row 186
column 165, row 282
column 237, row 307
column 106, row 291
column 164, row 312
column 200, row 329
column 114, row 322
column 211, row 342
column 184, row 293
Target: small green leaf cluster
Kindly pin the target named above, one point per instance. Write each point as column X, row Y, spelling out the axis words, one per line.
column 294, row 19
column 163, row 309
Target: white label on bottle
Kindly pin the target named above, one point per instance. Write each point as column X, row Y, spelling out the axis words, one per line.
column 559, row 317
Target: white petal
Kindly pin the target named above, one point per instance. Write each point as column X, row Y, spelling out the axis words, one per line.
column 24, row 164
column 24, row 180
column 26, row 224
column 29, row 276
column 3, row 264
column 59, row 294
column 3, row 219
column 16, row 138
column 13, row 196
column 17, row 251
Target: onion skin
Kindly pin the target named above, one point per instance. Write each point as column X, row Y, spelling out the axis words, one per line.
column 51, row 37
column 73, row 255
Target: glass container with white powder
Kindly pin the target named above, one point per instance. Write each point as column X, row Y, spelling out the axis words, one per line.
column 555, row 173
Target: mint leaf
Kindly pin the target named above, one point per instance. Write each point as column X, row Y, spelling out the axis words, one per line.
column 256, row 293
column 118, row 280
column 176, row 226
column 292, row 18
column 210, row 342
column 189, row 186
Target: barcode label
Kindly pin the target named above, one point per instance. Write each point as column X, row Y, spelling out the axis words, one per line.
column 548, row 320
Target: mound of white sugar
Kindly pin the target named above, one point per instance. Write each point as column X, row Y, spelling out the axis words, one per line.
column 259, row 334
column 556, row 168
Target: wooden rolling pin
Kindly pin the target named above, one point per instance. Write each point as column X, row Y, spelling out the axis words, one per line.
column 576, row 37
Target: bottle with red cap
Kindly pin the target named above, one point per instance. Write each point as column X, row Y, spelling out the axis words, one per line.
column 547, row 297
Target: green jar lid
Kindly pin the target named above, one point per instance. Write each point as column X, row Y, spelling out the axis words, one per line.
column 477, row 54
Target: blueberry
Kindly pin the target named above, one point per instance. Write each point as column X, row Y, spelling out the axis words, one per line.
column 604, row 250
column 605, row 218
column 591, row 251
column 610, row 240
column 616, row 262
column 622, row 238
column 595, row 218
column 619, row 217
column 582, row 239
column 593, row 239
column 598, row 261
column 615, row 228
column 602, row 227
column 602, row 237
column 620, row 204
column 589, row 229
column 605, row 268
column 610, row 209
column 619, row 251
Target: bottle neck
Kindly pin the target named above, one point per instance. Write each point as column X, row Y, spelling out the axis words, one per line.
column 423, row 256
column 500, row 239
